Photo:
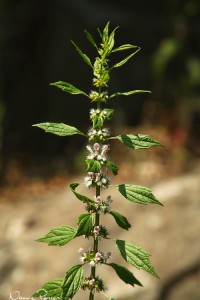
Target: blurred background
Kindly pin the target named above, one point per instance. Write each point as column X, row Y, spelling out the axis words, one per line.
column 35, row 50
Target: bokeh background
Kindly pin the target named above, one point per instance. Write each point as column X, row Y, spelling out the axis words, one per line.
column 35, row 50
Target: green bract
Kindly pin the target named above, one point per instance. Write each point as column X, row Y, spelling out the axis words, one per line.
column 98, row 167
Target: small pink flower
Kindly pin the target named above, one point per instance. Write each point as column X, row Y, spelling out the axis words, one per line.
column 96, row 146
column 80, row 250
column 98, row 199
column 98, row 256
column 91, row 282
column 96, row 229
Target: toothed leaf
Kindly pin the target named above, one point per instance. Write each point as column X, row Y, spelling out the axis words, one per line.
column 51, row 290
column 137, row 193
column 59, row 236
column 85, row 224
column 60, row 129
column 72, row 282
column 135, row 256
column 137, row 141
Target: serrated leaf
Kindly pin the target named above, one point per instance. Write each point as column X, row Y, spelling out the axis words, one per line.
column 136, row 256
column 124, row 274
column 68, row 87
column 137, row 193
column 51, row 290
column 91, row 39
column 93, row 165
column 60, row 129
column 81, row 197
column 85, row 224
column 122, row 62
column 59, row 236
column 137, row 141
column 124, row 47
column 112, row 166
column 128, row 93
column 121, row 220
column 72, row 282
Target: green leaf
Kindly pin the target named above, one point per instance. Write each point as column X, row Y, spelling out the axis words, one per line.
column 90, row 39
column 52, row 289
column 121, row 220
column 93, row 165
column 83, row 55
column 124, row 47
column 72, row 282
column 59, row 236
column 109, row 113
column 81, row 197
column 122, row 62
column 137, row 141
column 60, row 129
column 111, row 40
column 112, row 166
column 85, row 224
column 124, row 274
column 129, row 93
column 69, row 88
column 136, row 256
column 105, row 33
column 137, row 193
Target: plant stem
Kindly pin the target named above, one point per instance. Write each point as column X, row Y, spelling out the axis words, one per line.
column 95, row 245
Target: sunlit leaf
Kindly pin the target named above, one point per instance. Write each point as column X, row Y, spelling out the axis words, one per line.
column 136, row 256
column 124, row 47
column 59, row 236
column 137, row 193
column 90, row 39
column 60, row 129
column 137, row 141
column 85, row 224
column 128, row 93
column 72, row 282
column 83, row 55
column 68, row 87
column 122, row 62
column 51, row 290
column 93, row 165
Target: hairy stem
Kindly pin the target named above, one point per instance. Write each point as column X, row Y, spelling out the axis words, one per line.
column 95, row 245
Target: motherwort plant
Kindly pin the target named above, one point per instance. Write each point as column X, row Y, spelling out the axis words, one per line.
column 97, row 177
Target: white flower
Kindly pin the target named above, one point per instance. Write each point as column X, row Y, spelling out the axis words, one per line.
column 92, row 263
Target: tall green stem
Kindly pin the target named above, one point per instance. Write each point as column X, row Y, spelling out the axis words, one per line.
column 95, row 245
